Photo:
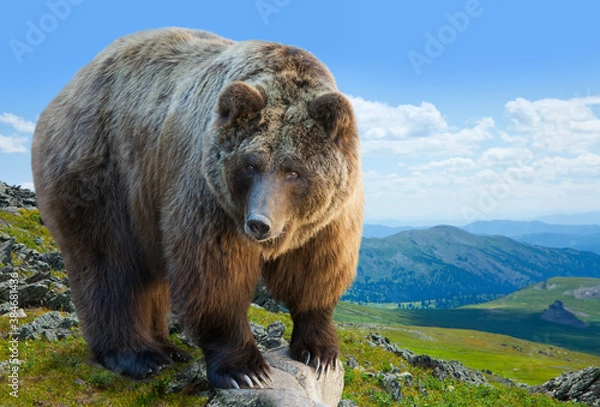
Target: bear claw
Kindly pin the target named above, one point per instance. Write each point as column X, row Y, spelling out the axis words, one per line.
column 307, row 360
column 322, row 368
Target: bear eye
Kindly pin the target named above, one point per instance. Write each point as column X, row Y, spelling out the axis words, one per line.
column 250, row 168
column 292, row 175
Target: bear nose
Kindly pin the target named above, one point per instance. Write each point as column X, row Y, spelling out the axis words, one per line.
column 259, row 226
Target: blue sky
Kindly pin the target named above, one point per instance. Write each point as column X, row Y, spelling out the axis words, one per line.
column 467, row 109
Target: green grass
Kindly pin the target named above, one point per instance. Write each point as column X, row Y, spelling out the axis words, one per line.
column 27, row 229
column 519, row 360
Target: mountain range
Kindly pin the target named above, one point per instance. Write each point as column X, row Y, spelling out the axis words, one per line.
column 579, row 237
column 458, row 267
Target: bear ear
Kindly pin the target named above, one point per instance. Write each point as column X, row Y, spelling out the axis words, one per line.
column 334, row 112
column 239, row 99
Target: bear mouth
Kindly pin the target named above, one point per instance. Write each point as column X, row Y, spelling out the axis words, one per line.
column 267, row 240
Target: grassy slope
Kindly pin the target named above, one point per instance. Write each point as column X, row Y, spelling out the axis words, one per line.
column 58, row 374
column 517, row 359
column 537, row 297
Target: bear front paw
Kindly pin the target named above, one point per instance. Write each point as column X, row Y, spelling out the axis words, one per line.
column 314, row 341
column 322, row 358
column 134, row 364
column 237, row 369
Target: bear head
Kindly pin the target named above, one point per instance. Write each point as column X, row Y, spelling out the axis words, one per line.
column 282, row 169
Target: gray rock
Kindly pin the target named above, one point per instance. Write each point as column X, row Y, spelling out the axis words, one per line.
column 294, row 384
column 263, row 298
column 49, row 335
column 5, row 288
column 38, row 276
column 269, row 338
column 441, row 369
column 60, row 302
column 352, row 363
column 407, row 378
column 6, row 247
column 35, row 265
column 347, row 403
column 16, row 197
column 271, row 305
column 275, row 335
column 53, row 259
column 276, row 329
column 191, row 379
column 50, row 326
column 5, row 307
column 23, row 252
column 6, row 273
column 582, row 386
column 258, row 398
column 391, row 385
column 13, row 210
column 69, row 321
column 31, row 295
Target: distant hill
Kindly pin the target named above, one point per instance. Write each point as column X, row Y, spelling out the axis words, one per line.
column 371, row 230
column 580, row 296
column 513, row 228
column 458, row 267
column 589, row 218
column 589, row 243
column 561, row 312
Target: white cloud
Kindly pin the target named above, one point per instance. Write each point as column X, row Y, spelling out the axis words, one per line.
column 409, row 130
column 454, row 164
column 418, row 165
column 557, row 125
column 505, row 156
column 20, row 124
column 13, row 144
column 383, row 121
column 584, row 165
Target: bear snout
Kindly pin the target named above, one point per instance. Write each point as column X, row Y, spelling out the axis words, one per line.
column 258, row 227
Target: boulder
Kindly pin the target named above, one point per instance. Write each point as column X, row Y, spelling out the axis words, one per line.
column 6, row 247
column 50, row 326
column 294, row 384
column 16, row 197
column 582, row 386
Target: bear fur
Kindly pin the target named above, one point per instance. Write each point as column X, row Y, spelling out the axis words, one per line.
column 176, row 169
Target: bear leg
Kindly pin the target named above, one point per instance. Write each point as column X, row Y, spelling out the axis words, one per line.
column 113, row 297
column 159, row 326
column 310, row 280
column 212, row 284
column 234, row 361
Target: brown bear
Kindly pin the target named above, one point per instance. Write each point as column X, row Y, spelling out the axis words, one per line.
column 177, row 168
